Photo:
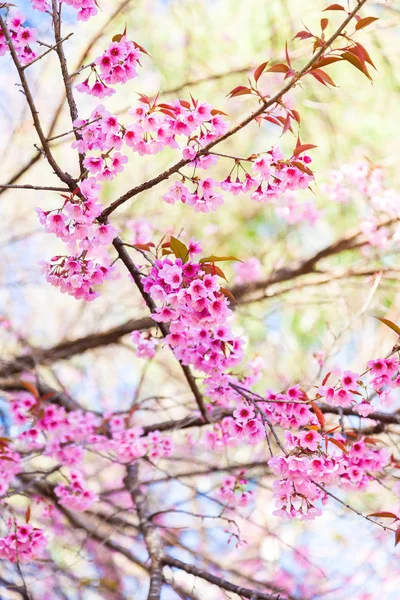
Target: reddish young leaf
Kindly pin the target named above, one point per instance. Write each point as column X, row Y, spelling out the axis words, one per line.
column 287, row 55
column 279, row 68
column 214, row 270
column 329, row 60
column 362, row 54
column 389, row 324
column 365, row 22
column 215, row 111
column 319, row 414
column 334, row 7
column 333, row 429
column 260, row 70
column 228, row 294
column 240, row 90
column 28, row 514
column 184, row 103
column 287, row 124
column 303, row 35
column 296, row 115
column 273, row 120
column 303, row 148
column 302, row 167
column 397, row 536
column 339, row 445
column 325, row 379
column 144, row 246
column 356, row 62
column 322, row 77
column 28, row 385
column 383, row 514
column 324, row 24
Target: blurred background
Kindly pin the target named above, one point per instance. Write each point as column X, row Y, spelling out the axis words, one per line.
column 206, row 48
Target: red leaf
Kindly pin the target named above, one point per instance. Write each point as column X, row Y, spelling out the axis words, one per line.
column 397, row 537
column 326, row 61
column 319, row 414
column 296, row 115
column 384, row 514
column 279, row 68
column 31, row 388
column 354, row 60
column 303, row 35
column 273, row 120
column 184, row 103
column 215, row 111
column 214, row 270
column 139, row 47
column 287, row 55
column 334, row 7
column 228, row 294
column 303, row 148
column 286, row 125
column 341, row 446
column 324, row 24
column 325, row 379
column 333, row 429
column 144, row 246
column 322, row 77
column 365, row 22
column 389, row 324
column 28, row 514
column 302, row 167
column 240, row 90
column 259, row 71
column 362, row 54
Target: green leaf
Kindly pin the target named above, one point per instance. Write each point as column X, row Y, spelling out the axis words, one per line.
column 179, row 249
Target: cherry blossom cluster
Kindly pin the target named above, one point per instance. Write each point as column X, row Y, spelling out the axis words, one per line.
column 75, row 222
column 76, row 276
column 272, row 178
column 23, row 544
column 234, row 491
column 22, row 37
column 117, row 64
column 352, row 392
column 198, row 312
column 305, row 472
column 307, row 466
column 363, row 184
column 42, row 5
column 85, row 8
column 101, row 133
column 247, row 271
column 128, row 443
column 75, row 496
column 140, row 231
column 156, row 126
column 146, row 345
column 10, row 466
